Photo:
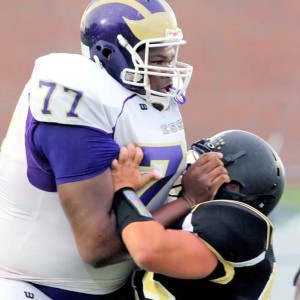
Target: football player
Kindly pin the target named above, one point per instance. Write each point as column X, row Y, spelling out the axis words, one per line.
column 58, row 234
column 223, row 248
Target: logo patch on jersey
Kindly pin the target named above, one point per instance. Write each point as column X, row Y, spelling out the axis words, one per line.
column 172, row 127
column 143, row 106
column 29, row 295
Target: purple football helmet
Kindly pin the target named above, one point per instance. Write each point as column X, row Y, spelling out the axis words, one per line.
column 112, row 32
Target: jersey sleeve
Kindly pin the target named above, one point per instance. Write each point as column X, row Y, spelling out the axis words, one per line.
column 59, row 154
column 237, row 231
column 74, row 106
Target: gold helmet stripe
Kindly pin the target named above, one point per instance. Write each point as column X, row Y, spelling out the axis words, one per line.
column 152, row 26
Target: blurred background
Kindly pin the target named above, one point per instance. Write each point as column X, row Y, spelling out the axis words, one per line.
column 246, row 76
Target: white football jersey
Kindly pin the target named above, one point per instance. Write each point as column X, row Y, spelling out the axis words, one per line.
column 36, row 240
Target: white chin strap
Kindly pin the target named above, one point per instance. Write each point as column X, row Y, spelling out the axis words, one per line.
column 192, row 156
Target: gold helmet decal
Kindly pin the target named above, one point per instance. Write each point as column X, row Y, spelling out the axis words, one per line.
column 153, row 25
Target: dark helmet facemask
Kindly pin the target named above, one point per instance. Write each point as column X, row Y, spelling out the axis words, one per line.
column 251, row 162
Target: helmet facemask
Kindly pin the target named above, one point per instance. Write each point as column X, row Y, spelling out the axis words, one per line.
column 255, row 169
column 138, row 76
column 252, row 164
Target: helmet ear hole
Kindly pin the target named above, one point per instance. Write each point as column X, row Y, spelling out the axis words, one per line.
column 107, row 53
column 233, row 186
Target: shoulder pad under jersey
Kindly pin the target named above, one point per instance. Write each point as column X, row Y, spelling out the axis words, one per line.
column 237, row 231
column 71, row 89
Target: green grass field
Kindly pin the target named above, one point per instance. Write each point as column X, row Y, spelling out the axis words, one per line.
column 291, row 197
column 288, row 207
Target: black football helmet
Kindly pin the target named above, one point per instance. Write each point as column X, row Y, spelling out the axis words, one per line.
column 251, row 163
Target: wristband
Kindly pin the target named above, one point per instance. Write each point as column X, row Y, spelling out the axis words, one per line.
column 129, row 208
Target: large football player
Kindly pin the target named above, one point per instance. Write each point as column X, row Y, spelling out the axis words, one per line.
column 223, row 248
column 58, row 234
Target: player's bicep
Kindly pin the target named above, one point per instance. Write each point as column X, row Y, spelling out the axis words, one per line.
column 174, row 253
column 188, row 256
column 87, row 205
column 80, row 159
column 87, row 199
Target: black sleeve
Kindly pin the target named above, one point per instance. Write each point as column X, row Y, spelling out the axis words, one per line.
column 238, row 232
column 296, row 277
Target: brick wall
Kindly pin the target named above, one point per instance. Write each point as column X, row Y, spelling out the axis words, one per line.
column 245, row 56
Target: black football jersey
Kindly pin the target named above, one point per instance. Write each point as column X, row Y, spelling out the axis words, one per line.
column 240, row 236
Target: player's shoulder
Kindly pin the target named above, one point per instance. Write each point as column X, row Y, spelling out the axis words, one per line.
column 230, row 212
column 74, row 84
column 76, row 72
column 72, row 70
column 239, row 232
column 54, row 62
column 63, row 58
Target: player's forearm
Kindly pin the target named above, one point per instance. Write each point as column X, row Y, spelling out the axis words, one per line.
column 172, row 212
column 99, row 241
column 116, row 253
column 150, row 244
